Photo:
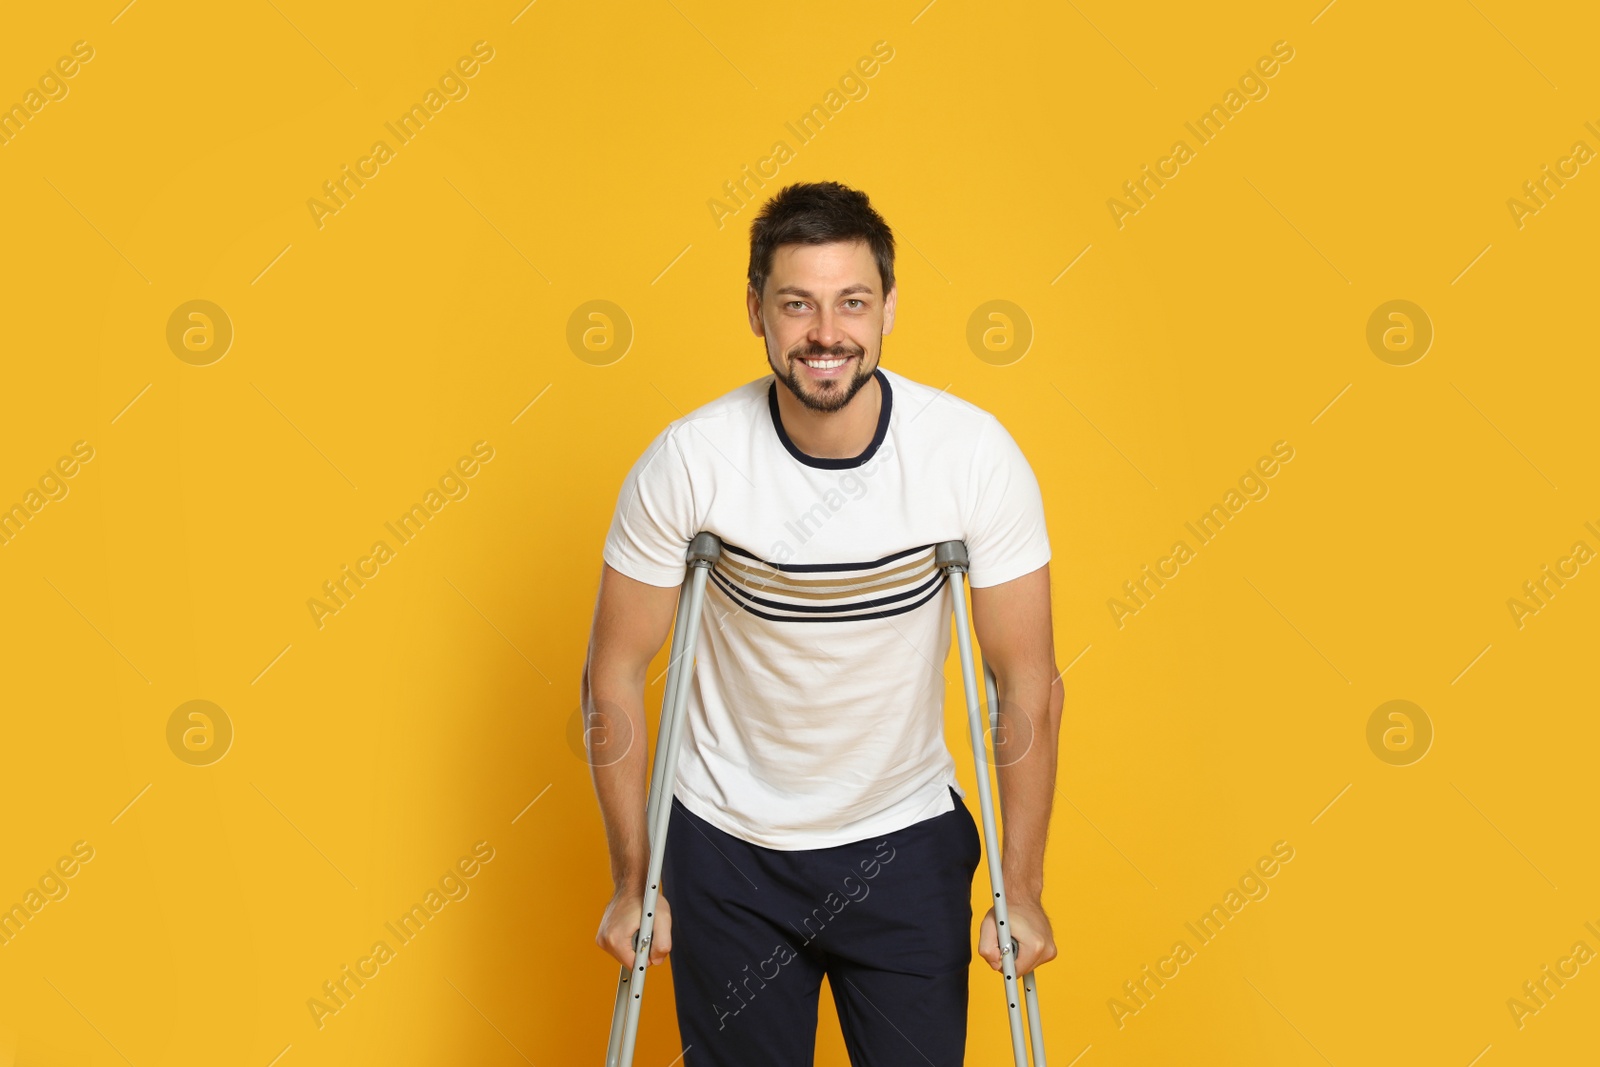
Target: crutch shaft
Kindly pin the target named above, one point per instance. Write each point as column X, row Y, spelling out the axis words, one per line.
column 1030, row 985
column 675, row 660
column 670, row 711
column 619, row 1009
column 703, row 554
column 991, row 838
column 662, row 811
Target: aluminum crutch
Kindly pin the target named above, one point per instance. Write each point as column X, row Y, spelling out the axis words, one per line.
column 951, row 558
column 704, row 551
column 1029, row 985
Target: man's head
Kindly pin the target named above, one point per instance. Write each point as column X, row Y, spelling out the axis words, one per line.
column 821, row 290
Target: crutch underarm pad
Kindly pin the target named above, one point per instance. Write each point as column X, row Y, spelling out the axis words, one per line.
column 950, row 554
column 705, row 548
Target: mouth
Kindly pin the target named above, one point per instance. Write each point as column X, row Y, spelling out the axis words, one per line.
column 825, row 366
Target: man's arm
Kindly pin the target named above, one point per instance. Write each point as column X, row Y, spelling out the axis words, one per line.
column 1012, row 624
column 631, row 622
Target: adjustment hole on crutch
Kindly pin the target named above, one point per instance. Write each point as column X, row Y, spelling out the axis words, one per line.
column 649, row 914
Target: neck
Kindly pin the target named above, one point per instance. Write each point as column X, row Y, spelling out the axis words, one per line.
column 842, row 434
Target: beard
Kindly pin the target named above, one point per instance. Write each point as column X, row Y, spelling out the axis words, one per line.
column 830, row 394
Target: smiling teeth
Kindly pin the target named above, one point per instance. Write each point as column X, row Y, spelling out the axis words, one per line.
column 823, row 364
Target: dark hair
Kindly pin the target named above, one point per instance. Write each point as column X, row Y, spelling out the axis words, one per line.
column 817, row 213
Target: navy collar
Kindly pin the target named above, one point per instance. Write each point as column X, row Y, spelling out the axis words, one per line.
column 835, row 464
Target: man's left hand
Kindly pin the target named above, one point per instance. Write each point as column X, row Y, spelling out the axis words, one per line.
column 1030, row 926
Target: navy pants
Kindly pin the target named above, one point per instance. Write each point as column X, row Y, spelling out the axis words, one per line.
column 888, row 920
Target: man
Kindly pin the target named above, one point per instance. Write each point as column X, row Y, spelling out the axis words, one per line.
column 816, row 825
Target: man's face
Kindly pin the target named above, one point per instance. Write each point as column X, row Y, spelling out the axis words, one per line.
column 823, row 316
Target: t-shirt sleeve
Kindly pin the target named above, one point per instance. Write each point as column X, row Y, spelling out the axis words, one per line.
column 654, row 520
column 1006, row 531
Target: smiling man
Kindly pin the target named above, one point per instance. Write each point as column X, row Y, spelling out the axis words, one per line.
column 817, row 828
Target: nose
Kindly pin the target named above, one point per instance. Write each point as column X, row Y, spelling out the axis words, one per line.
column 825, row 333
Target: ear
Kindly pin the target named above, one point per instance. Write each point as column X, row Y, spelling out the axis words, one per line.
column 888, row 308
column 752, row 304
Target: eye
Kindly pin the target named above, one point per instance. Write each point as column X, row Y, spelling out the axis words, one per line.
column 792, row 303
column 854, row 300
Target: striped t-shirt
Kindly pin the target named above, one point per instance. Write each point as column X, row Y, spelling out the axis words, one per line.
column 815, row 714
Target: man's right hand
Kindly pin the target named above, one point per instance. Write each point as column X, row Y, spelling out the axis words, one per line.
column 621, row 921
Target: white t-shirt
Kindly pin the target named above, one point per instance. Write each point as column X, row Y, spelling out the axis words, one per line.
column 815, row 714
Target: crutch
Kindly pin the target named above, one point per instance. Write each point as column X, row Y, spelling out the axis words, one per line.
column 704, row 551
column 951, row 557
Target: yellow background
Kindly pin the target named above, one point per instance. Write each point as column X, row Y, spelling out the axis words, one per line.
column 371, row 753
